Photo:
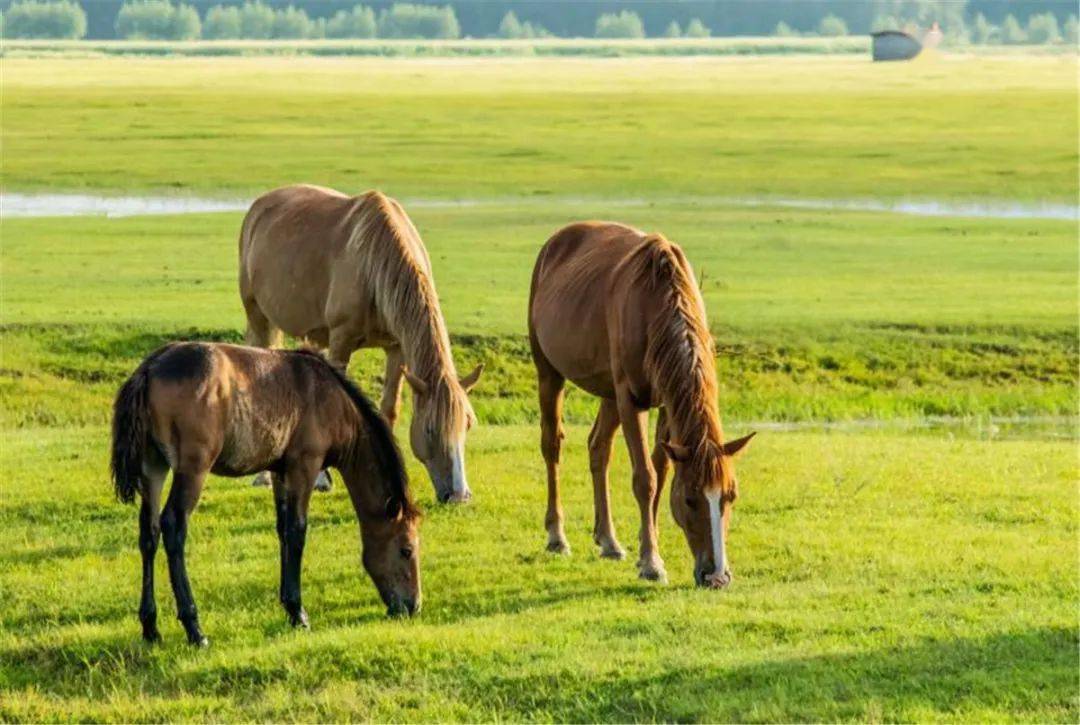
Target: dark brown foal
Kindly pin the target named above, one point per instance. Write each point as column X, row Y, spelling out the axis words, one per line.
column 200, row 408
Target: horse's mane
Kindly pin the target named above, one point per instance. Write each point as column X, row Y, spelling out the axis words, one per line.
column 679, row 355
column 395, row 261
column 384, row 448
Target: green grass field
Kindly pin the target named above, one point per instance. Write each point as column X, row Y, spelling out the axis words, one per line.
column 880, row 575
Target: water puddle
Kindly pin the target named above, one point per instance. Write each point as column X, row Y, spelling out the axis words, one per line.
column 14, row 205
column 984, row 210
column 49, row 205
column 1043, row 428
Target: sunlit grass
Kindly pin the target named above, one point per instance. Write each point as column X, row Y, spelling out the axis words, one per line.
column 461, row 128
column 877, row 578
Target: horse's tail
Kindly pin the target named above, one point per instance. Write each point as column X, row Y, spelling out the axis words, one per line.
column 131, row 426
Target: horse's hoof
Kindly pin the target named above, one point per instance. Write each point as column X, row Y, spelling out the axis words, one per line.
column 559, row 547
column 613, row 552
column 323, row 482
column 300, row 620
column 152, row 636
column 200, row 641
column 653, row 572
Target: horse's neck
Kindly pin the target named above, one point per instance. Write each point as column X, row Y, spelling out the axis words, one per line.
column 685, row 381
column 354, row 462
column 691, row 411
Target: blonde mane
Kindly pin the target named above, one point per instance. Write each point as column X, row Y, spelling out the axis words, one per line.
column 390, row 252
column 679, row 357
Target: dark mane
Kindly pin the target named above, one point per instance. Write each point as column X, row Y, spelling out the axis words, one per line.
column 387, row 455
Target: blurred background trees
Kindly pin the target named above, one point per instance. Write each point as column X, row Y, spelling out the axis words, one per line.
column 962, row 21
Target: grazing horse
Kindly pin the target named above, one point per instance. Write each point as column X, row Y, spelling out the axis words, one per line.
column 199, row 408
column 346, row 272
column 618, row 312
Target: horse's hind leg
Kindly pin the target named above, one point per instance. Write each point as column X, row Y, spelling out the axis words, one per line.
column 600, row 440
column 149, row 533
column 186, row 487
column 551, row 435
column 261, row 332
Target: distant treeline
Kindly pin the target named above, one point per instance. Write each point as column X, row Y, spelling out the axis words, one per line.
column 962, row 21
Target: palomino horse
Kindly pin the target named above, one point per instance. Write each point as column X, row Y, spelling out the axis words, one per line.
column 200, row 407
column 618, row 312
column 350, row 272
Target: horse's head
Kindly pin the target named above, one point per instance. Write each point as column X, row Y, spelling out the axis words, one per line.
column 392, row 557
column 702, row 494
column 442, row 416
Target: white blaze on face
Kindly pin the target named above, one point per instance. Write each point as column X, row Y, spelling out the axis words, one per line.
column 457, row 480
column 716, row 523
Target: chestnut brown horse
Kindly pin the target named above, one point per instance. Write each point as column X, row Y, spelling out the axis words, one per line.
column 200, row 408
column 618, row 312
column 347, row 272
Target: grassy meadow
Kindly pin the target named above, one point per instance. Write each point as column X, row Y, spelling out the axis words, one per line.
column 880, row 574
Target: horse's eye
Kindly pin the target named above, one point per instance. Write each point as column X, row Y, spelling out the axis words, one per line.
column 406, row 552
column 691, row 503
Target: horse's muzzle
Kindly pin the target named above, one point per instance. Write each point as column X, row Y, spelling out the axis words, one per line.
column 402, row 606
column 455, row 496
column 712, row 579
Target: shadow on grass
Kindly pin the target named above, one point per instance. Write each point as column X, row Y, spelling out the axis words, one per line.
column 1027, row 675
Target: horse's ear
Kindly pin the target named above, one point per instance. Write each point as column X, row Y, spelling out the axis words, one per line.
column 732, row 448
column 418, row 385
column 469, row 380
column 675, row 451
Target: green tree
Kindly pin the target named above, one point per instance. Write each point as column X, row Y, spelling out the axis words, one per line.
column 984, row 32
column 783, row 30
column 157, row 20
column 405, row 20
column 511, row 27
column 626, row 24
column 221, row 23
column 256, row 21
column 61, row 20
column 1043, row 28
column 1011, row 32
column 831, row 26
column 185, row 23
column 356, row 23
column 1071, row 30
column 884, row 22
column 673, row 30
column 697, row 29
column 291, row 24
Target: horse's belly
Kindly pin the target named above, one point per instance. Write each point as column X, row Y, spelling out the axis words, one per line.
column 579, row 357
column 253, row 442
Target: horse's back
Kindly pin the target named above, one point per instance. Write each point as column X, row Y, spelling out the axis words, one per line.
column 240, row 406
column 571, row 298
column 290, row 243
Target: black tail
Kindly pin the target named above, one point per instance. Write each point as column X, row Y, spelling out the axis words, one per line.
column 131, row 424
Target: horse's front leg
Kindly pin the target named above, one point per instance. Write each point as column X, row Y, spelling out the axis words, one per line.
column 391, row 392
column 299, row 481
column 635, row 423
